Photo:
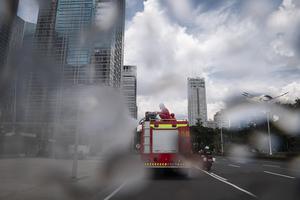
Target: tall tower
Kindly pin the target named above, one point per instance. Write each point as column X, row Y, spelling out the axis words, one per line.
column 42, row 77
column 109, row 48
column 129, row 86
column 76, row 47
column 8, row 43
column 197, row 108
column 8, row 12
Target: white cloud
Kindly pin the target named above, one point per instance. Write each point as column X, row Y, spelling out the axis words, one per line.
column 182, row 9
column 294, row 91
column 234, row 53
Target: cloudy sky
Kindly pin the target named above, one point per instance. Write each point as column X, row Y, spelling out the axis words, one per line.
column 236, row 45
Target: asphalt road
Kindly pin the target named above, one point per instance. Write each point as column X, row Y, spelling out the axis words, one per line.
column 50, row 179
column 252, row 179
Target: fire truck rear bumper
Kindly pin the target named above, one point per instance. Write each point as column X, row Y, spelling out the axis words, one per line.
column 165, row 165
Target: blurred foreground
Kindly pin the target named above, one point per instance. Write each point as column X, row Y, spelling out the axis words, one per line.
column 120, row 177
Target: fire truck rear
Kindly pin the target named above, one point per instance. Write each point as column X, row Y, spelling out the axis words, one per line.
column 164, row 143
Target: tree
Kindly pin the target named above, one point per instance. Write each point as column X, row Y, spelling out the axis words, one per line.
column 202, row 136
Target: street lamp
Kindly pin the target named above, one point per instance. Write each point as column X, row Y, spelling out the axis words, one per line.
column 75, row 156
column 222, row 143
column 221, row 134
column 267, row 99
column 76, row 90
column 269, row 133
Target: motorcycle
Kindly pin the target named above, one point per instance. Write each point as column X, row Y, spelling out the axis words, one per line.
column 206, row 160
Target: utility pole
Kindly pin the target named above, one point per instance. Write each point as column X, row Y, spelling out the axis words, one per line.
column 221, row 134
column 222, row 143
column 75, row 155
column 15, row 106
column 75, row 152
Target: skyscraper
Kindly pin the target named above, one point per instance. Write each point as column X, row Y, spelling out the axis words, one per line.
column 8, row 101
column 8, row 11
column 73, row 35
column 108, row 49
column 75, row 46
column 94, row 32
column 197, row 108
column 8, row 43
column 129, row 86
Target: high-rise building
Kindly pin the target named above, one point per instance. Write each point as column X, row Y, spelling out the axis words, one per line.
column 222, row 120
column 8, row 100
column 9, row 24
column 76, row 33
column 129, row 86
column 75, row 46
column 107, row 57
column 197, row 108
column 8, row 11
column 73, row 35
column 94, row 53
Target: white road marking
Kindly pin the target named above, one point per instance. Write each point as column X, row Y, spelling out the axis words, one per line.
column 282, row 175
column 217, row 176
column 275, row 166
column 115, row 191
column 228, row 183
column 231, row 165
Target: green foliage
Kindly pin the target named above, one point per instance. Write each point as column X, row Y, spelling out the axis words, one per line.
column 204, row 136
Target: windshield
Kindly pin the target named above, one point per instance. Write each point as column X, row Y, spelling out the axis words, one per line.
column 149, row 99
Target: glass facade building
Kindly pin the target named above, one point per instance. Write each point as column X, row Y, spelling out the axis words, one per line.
column 77, row 43
column 8, row 11
column 74, row 18
column 81, row 47
column 10, row 35
column 94, row 52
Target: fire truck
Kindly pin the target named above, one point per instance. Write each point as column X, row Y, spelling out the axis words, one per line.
column 164, row 143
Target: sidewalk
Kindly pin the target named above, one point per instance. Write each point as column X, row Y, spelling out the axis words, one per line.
column 38, row 178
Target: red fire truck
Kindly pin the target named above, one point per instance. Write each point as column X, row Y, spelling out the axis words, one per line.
column 164, row 143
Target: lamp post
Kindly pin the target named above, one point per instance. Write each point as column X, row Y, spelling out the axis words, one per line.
column 221, row 134
column 222, row 143
column 77, row 89
column 75, row 155
column 269, row 134
column 268, row 99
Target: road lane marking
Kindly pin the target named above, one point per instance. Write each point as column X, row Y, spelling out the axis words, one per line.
column 275, row 166
column 282, row 175
column 228, row 183
column 115, row 191
column 218, row 176
column 231, row 165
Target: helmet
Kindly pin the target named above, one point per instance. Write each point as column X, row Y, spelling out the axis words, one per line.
column 206, row 147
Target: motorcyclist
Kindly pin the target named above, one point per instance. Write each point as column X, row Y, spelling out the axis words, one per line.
column 207, row 150
column 206, row 158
